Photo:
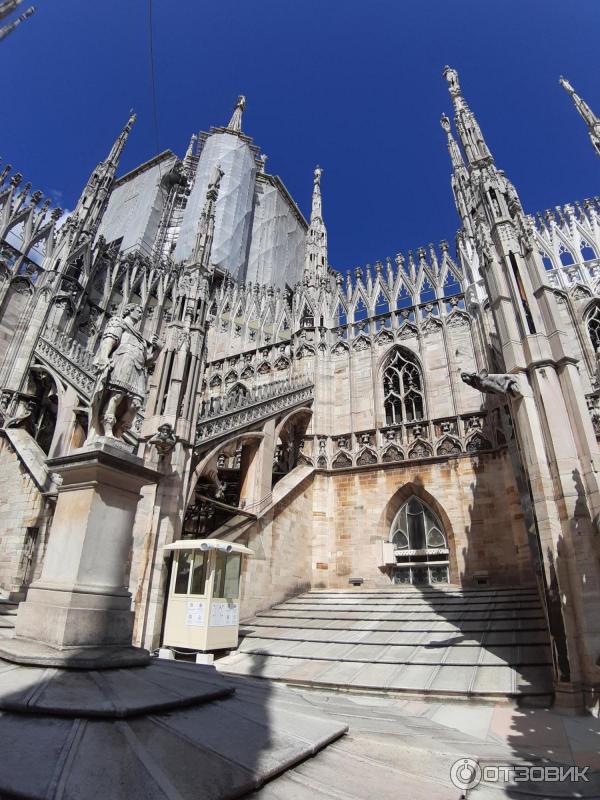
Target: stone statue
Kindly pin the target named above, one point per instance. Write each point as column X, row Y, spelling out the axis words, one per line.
column 122, row 362
column 164, row 439
column 493, row 383
column 175, row 177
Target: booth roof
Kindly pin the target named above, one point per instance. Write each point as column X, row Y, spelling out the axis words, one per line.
column 209, row 544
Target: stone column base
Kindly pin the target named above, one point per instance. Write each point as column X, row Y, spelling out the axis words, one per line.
column 34, row 653
column 568, row 698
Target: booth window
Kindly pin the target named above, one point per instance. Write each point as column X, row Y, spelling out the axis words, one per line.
column 227, row 575
column 182, row 578
column 191, row 572
column 199, row 572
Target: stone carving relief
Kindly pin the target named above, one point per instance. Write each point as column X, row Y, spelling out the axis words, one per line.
column 478, row 442
column 420, row 450
column 341, row 460
column 448, row 447
column 384, row 337
column 339, row 349
column 361, row 343
column 391, row 454
column 366, row 457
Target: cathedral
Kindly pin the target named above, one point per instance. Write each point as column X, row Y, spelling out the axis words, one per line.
column 429, row 422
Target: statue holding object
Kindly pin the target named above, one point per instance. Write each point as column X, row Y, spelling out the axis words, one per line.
column 122, row 362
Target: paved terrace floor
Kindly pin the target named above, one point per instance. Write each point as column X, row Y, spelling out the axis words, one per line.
column 404, row 750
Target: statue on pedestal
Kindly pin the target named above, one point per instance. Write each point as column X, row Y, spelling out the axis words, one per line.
column 493, row 383
column 122, row 362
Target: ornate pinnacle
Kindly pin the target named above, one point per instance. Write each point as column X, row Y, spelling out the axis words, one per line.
column 316, row 211
column 588, row 116
column 235, row 123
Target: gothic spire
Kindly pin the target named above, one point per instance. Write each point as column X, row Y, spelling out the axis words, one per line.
column 235, row 123
column 92, row 202
column 316, row 261
column 468, row 129
column 316, row 211
column 5, row 9
column 206, row 224
column 590, row 119
column 121, row 141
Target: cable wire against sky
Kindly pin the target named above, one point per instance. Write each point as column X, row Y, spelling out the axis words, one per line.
column 152, row 75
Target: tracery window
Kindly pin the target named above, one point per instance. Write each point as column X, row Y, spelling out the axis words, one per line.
column 420, row 545
column 403, row 390
column 593, row 326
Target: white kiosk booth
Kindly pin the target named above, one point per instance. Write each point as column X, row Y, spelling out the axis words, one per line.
column 203, row 607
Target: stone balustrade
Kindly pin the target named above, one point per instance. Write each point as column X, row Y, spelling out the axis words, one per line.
column 72, row 361
column 468, row 434
column 228, row 415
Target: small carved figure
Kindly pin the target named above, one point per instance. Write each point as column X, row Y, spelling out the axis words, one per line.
column 164, row 439
column 122, row 362
column 492, row 383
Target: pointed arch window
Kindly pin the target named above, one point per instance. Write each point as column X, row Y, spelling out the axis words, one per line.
column 593, row 325
column 566, row 256
column 587, row 252
column 420, row 545
column 402, row 390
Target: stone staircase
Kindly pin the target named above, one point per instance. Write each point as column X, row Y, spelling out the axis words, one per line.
column 481, row 643
column 8, row 615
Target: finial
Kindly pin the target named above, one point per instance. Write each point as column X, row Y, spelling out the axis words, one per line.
column 189, row 153
column 588, row 116
column 131, row 120
column 316, row 211
column 235, row 123
column 451, row 76
column 263, row 162
column 566, row 85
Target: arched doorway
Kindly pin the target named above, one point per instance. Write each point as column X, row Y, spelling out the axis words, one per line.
column 421, row 550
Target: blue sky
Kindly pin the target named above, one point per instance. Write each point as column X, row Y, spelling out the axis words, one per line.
column 355, row 86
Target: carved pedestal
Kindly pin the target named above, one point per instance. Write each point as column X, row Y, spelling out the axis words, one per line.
column 79, row 613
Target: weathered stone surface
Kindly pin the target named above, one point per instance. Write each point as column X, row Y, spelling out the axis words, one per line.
column 167, row 730
column 402, row 640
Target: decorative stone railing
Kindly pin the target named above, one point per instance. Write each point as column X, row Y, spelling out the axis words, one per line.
column 259, row 404
column 469, row 434
column 72, row 361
